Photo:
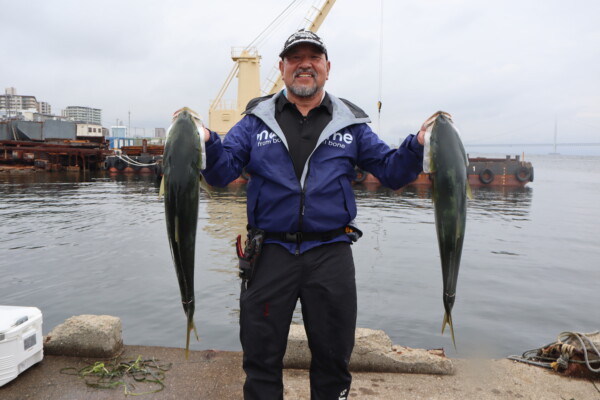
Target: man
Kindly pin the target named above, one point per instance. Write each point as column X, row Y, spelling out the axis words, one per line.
column 300, row 147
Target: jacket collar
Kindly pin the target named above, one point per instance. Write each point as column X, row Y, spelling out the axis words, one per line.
column 343, row 116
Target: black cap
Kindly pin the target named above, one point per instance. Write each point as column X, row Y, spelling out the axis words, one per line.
column 303, row 36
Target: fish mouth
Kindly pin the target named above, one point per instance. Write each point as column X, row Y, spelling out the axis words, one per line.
column 433, row 118
column 188, row 113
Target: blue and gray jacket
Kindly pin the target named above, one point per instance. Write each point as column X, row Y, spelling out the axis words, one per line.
column 322, row 200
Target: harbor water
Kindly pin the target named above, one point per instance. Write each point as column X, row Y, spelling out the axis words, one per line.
column 74, row 243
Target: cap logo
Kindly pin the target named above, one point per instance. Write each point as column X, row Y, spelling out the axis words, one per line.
column 301, row 35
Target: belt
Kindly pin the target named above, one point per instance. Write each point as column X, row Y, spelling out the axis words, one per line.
column 299, row 237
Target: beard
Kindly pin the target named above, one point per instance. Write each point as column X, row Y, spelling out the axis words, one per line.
column 305, row 90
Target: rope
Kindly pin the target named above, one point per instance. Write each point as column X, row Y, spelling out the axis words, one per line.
column 379, row 103
column 131, row 161
column 581, row 337
column 536, row 356
column 277, row 20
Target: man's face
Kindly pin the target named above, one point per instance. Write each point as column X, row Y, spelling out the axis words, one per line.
column 304, row 70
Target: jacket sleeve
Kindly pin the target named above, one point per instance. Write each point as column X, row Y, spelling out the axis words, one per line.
column 226, row 159
column 393, row 167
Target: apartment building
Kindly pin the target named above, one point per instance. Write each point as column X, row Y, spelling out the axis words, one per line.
column 12, row 104
column 83, row 114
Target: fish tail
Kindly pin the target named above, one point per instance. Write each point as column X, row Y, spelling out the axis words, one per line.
column 195, row 331
column 448, row 321
column 187, row 343
column 190, row 326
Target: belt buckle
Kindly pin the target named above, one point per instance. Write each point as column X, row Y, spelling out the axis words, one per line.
column 293, row 237
column 290, row 237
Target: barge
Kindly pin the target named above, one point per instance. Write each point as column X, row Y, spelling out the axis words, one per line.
column 68, row 155
column 51, row 145
column 91, row 155
column 482, row 171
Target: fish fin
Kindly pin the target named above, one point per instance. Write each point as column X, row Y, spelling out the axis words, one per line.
column 448, row 320
column 176, row 229
column 469, row 191
column 205, row 186
column 161, row 191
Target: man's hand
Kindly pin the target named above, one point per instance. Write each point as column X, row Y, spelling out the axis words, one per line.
column 206, row 134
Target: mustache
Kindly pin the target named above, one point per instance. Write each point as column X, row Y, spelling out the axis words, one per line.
column 304, row 71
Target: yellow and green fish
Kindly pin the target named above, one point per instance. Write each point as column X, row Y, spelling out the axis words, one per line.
column 183, row 158
column 446, row 161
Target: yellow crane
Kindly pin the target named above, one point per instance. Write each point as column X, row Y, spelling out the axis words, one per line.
column 222, row 115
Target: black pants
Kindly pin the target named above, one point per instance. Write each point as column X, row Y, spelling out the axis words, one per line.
column 324, row 281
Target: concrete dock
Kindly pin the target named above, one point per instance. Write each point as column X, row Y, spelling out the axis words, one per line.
column 380, row 370
column 216, row 375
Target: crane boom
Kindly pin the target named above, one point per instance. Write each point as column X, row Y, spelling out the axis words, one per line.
column 320, row 16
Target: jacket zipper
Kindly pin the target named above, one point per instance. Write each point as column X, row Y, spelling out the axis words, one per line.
column 302, row 207
column 300, row 220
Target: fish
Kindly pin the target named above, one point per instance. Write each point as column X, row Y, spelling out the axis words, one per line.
column 183, row 158
column 446, row 161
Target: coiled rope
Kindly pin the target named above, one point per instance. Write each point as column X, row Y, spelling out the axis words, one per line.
column 539, row 356
column 568, row 349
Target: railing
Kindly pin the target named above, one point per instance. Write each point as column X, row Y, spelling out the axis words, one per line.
column 237, row 52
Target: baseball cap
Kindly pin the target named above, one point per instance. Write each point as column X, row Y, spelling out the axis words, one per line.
column 303, row 36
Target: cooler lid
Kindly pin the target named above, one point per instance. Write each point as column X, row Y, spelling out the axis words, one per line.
column 13, row 316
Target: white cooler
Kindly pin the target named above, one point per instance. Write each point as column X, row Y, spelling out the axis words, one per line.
column 21, row 341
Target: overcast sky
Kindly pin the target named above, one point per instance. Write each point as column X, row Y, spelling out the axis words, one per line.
column 507, row 70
